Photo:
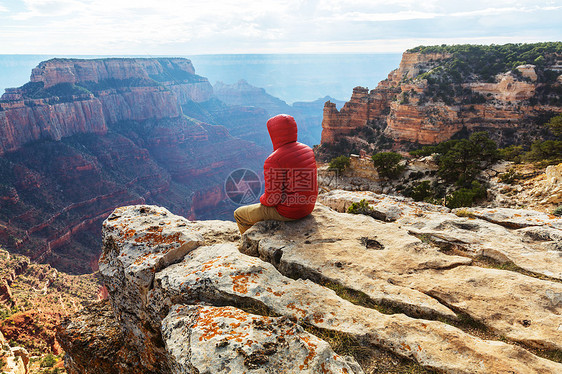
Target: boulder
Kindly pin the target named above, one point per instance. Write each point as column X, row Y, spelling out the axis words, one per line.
column 138, row 242
column 229, row 340
column 95, row 343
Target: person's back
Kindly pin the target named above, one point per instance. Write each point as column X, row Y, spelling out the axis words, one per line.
column 291, row 186
column 290, row 172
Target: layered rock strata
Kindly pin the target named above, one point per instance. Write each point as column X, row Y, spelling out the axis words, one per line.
column 93, row 94
column 85, row 136
column 404, row 105
column 173, row 280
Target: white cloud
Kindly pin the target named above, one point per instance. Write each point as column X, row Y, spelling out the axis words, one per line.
column 47, row 8
column 389, row 45
column 383, row 17
column 238, row 26
column 498, row 11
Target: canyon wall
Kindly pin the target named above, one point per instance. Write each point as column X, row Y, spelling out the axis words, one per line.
column 70, row 96
column 363, row 107
column 427, row 101
column 58, row 70
column 85, row 136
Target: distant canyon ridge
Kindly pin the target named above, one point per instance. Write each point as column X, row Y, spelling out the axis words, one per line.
column 441, row 92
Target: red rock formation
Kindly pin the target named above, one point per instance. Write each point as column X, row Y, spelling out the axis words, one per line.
column 58, row 70
column 413, row 64
column 363, row 107
column 20, row 124
column 126, row 142
column 33, row 330
column 122, row 90
column 401, row 103
column 422, row 124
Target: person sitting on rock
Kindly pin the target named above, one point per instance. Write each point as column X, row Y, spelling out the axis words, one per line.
column 291, row 187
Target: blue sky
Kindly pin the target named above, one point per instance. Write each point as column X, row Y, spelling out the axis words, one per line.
column 180, row 27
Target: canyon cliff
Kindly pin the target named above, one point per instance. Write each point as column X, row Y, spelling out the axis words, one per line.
column 440, row 92
column 85, row 136
column 423, row 290
column 68, row 96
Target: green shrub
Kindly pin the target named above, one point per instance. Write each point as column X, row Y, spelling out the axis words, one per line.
column 465, row 197
column 512, row 153
column 48, row 361
column 459, row 198
column 555, row 125
column 464, row 213
column 64, row 91
column 362, row 207
column 460, row 161
column 422, row 191
column 558, row 211
column 388, row 164
column 489, row 60
column 509, row 177
column 548, row 152
column 339, row 163
column 466, row 158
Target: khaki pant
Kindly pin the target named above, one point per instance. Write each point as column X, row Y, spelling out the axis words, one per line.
column 248, row 215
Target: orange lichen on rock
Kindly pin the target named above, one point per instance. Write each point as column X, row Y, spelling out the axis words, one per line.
column 297, row 309
column 240, row 282
column 210, row 325
column 311, row 353
column 276, row 293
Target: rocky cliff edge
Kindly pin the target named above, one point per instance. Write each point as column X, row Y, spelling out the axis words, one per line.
column 472, row 291
column 406, row 107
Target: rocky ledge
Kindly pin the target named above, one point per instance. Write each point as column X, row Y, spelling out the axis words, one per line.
column 426, row 290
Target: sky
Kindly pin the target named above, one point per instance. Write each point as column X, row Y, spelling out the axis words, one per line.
column 180, row 27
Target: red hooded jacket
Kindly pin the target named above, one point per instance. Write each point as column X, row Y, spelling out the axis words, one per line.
column 290, row 171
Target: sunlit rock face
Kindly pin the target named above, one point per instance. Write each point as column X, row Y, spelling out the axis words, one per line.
column 85, row 136
column 408, row 109
column 71, row 96
column 192, row 297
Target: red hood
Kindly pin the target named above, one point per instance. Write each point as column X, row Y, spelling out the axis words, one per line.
column 282, row 130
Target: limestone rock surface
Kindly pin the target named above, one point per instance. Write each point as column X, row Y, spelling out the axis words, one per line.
column 245, row 304
column 245, row 343
column 506, row 301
